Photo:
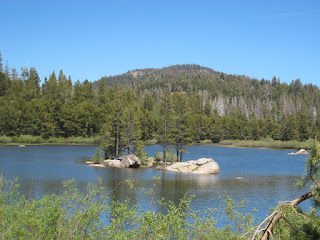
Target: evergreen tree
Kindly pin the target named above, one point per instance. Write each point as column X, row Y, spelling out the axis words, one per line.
column 102, row 89
column 14, row 74
column 289, row 129
column 131, row 132
column 24, row 73
column 50, row 87
column 181, row 127
column 303, row 127
column 32, row 87
column 4, row 84
column 7, row 69
column 164, row 133
column 65, row 87
column 113, row 141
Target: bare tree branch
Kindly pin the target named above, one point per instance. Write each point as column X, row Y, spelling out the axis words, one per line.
column 267, row 232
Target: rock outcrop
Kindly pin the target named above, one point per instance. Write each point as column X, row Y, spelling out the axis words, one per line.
column 131, row 161
column 128, row 161
column 201, row 166
column 113, row 163
column 300, row 152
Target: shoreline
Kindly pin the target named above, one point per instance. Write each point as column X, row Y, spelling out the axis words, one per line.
column 265, row 143
column 48, row 144
column 236, row 144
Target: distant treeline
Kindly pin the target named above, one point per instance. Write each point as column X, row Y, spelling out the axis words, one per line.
column 178, row 105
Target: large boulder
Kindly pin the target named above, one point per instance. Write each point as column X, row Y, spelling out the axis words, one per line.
column 210, row 167
column 201, row 166
column 131, row 161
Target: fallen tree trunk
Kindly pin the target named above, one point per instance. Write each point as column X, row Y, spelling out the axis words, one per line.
column 267, row 231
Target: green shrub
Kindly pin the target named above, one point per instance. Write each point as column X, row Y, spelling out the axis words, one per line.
column 98, row 156
column 27, row 139
column 142, row 154
column 269, row 143
column 151, row 141
column 76, row 215
column 207, row 142
column 5, row 139
column 170, row 157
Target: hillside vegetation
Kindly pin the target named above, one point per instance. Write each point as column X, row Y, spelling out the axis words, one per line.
column 188, row 103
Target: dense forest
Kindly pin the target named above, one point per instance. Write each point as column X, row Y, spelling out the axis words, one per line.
column 175, row 105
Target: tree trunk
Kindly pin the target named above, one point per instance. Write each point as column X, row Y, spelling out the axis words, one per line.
column 277, row 216
column 178, row 150
column 117, row 143
column 164, row 152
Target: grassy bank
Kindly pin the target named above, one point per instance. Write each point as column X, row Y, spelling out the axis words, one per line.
column 28, row 139
column 263, row 143
column 268, row 143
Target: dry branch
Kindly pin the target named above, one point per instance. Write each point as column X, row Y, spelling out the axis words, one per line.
column 267, row 231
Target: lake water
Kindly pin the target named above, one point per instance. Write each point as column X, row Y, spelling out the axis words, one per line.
column 268, row 176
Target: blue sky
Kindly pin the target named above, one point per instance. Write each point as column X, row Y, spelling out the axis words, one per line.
column 91, row 39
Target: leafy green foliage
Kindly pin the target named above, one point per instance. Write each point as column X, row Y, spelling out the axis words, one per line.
column 296, row 224
column 142, row 154
column 94, row 215
column 98, row 157
column 171, row 156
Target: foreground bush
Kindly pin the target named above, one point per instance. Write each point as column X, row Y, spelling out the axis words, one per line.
column 74, row 215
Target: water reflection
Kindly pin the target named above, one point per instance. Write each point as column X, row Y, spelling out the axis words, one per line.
column 268, row 176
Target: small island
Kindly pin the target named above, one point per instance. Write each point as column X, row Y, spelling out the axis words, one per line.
column 200, row 166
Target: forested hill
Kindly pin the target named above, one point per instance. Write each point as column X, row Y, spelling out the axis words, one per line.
column 226, row 94
column 189, row 103
column 149, row 78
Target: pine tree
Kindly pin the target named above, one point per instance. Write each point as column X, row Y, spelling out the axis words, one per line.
column 181, row 130
column 32, row 87
column 112, row 130
column 14, row 74
column 102, row 89
column 50, row 87
column 289, row 130
column 4, row 84
column 165, row 127
column 130, row 133
column 303, row 127
column 24, row 73
column 7, row 69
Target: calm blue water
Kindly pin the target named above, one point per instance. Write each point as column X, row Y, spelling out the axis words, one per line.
column 269, row 176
